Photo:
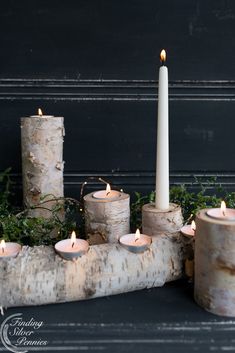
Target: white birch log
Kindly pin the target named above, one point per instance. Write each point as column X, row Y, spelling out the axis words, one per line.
column 108, row 218
column 39, row 276
column 214, row 287
column 42, row 160
column 155, row 221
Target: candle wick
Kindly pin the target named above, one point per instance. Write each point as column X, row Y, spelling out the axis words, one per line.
column 73, row 244
column 136, row 240
column 3, row 250
column 224, row 213
column 107, row 193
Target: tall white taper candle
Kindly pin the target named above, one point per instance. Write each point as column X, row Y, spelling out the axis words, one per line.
column 162, row 164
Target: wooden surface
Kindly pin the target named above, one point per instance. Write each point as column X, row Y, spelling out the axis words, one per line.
column 164, row 320
column 96, row 62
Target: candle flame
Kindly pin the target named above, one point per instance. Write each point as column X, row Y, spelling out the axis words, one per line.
column 108, row 189
column 193, row 226
column 40, row 112
column 163, row 56
column 3, row 245
column 137, row 235
column 223, row 208
column 73, row 238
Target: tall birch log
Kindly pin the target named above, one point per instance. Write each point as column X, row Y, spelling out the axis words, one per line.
column 42, row 160
column 39, row 276
column 214, row 287
column 108, row 218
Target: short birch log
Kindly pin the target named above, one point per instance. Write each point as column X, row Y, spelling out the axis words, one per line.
column 108, row 218
column 42, row 160
column 39, row 276
column 214, row 287
column 155, row 221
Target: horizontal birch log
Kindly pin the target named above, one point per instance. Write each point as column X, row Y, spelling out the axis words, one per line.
column 214, row 287
column 42, row 161
column 39, row 276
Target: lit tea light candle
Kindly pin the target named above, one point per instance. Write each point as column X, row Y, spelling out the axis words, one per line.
column 8, row 249
column 189, row 229
column 71, row 249
column 223, row 213
column 107, row 194
column 40, row 115
column 135, row 242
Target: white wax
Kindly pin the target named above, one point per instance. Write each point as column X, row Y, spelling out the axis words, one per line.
column 162, row 163
column 41, row 116
column 139, row 245
column 103, row 195
column 218, row 214
column 64, row 248
column 188, row 231
column 11, row 250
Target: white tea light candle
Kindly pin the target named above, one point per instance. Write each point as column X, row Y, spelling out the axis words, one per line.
column 107, row 194
column 9, row 249
column 71, row 249
column 223, row 213
column 189, row 229
column 135, row 242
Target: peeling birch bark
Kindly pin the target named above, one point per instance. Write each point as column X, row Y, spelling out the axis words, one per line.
column 42, row 160
column 107, row 218
column 39, row 276
column 214, row 287
column 155, row 221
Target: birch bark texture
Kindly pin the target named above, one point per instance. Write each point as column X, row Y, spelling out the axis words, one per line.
column 109, row 219
column 155, row 221
column 42, row 160
column 214, row 287
column 39, row 276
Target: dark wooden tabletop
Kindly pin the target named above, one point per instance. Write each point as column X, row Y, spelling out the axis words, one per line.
column 156, row 320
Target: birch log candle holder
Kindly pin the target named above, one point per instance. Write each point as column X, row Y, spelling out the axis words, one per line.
column 214, row 287
column 107, row 214
column 42, row 160
column 39, row 276
column 155, row 221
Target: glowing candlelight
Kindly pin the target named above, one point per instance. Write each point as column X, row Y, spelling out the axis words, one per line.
column 223, row 213
column 193, row 226
column 163, row 56
column 108, row 189
column 8, row 249
column 71, row 249
column 40, row 112
column 223, row 208
column 189, row 229
column 73, row 239
column 107, row 194
column 135, row 242
column 137, row 235
column 3, row 246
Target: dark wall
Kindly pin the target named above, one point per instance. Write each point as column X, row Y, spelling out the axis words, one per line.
column 95, row 62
